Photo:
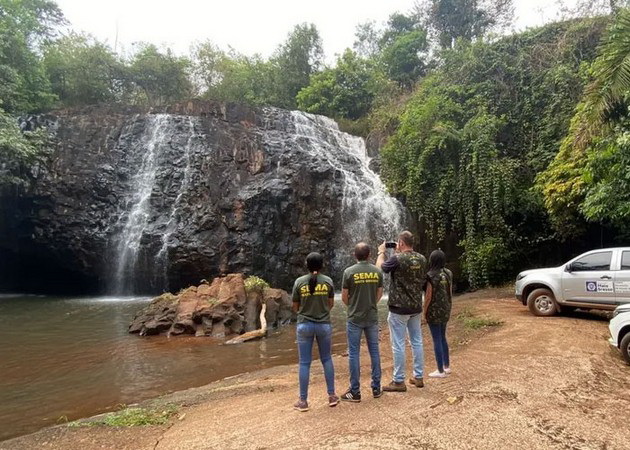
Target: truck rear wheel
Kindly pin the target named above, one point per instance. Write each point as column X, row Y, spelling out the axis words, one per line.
column 541, row 302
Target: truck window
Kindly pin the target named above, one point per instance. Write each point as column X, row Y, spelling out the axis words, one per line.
column 594, row 261
column 625, row 261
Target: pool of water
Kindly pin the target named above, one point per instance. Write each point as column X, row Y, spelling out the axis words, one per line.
column 64, row 358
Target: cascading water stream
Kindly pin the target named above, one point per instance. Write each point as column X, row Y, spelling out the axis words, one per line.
column 139, row 203
column 368, row 211
column 174, row 218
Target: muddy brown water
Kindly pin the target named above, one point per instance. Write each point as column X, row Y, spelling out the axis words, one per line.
column 65, row 358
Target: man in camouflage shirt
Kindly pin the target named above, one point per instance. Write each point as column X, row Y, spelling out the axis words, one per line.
column 408, row 272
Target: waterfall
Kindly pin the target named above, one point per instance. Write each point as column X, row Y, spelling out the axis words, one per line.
column 184, row 174
column 139, row 203
column 368, row 211
column 174, row 218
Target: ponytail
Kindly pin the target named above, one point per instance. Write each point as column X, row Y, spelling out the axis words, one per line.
column 312, row 283
column 314, row 262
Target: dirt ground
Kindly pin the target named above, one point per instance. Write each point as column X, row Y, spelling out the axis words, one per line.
column 529, row 383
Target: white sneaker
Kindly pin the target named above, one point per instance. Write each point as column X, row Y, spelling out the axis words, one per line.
column 447, row 370
column 437, row 374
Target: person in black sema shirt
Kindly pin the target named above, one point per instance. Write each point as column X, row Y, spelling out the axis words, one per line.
column 362, row 288
column 313, row 298
column 408, row 271
column 437, row 309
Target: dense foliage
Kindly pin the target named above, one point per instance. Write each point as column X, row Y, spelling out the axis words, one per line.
column 24, row 26
column 19, row 150
column 476, row 132
column 588, row 180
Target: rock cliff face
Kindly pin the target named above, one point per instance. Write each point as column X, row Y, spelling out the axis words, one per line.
column 137, row 201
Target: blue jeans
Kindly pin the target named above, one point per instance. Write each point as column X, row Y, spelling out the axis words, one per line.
column 354, row 345
column 399, row 325
column 307, row 332
column 438, row 333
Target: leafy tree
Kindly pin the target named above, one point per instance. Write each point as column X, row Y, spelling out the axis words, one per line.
column 161, row 77
column 277, row 81
column 346, row 91
column 399, row 49
column 450, row 20
column 83, row 71
column 402, row 58
column 294, row 63
column 24, row 26
column 367, row 40
column 398, row 25
column 230, row 76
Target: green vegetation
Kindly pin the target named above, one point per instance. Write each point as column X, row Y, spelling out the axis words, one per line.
column 254, row 283
column 475, row 133
column 134, row 417
column 165, row 298
column 472, row 322
column 19, row 151
column 589, row 179
column 131, row 417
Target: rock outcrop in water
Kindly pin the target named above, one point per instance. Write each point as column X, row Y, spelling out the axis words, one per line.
column 137, row 201
column 219, row 309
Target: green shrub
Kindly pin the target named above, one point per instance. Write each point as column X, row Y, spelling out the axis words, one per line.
column 254, row 283
column 472, row 322
column 136, row 416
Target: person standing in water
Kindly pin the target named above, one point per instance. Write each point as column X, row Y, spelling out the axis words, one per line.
column 362, row 288
column 437, row 309
column 313, row 298
column 408, row 272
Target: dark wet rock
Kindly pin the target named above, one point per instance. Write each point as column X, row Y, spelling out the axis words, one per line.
column 236, row 189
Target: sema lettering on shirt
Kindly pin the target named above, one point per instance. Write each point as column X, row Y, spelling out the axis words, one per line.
column 365, row 277
column 320, row 289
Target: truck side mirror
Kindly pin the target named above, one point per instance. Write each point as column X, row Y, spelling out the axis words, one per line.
column 569, row 268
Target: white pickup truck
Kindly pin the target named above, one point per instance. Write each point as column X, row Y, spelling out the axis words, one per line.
column 599, row 279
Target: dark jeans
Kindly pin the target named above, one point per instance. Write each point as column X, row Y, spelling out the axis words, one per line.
column 438, row 333
column 354, row 345
column 307, row 332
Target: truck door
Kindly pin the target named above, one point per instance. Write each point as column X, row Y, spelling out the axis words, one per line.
column 589, row 279
column 622, row 279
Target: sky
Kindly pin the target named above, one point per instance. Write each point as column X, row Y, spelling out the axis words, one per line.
column 249, row 26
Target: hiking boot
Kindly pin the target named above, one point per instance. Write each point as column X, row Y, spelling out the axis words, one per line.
column 351, row 396
column 377, row 392
column 417, row 382
column 395, row 387
column 333, row 400
column 301, row 406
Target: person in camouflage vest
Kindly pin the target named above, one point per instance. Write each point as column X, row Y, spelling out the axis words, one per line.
column 437, row 309
column 408, row 271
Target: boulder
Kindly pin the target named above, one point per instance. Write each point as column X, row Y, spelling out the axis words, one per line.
column 279, row 306
column 219, row 309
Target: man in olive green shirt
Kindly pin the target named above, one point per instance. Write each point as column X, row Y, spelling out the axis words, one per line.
column 362, row 288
